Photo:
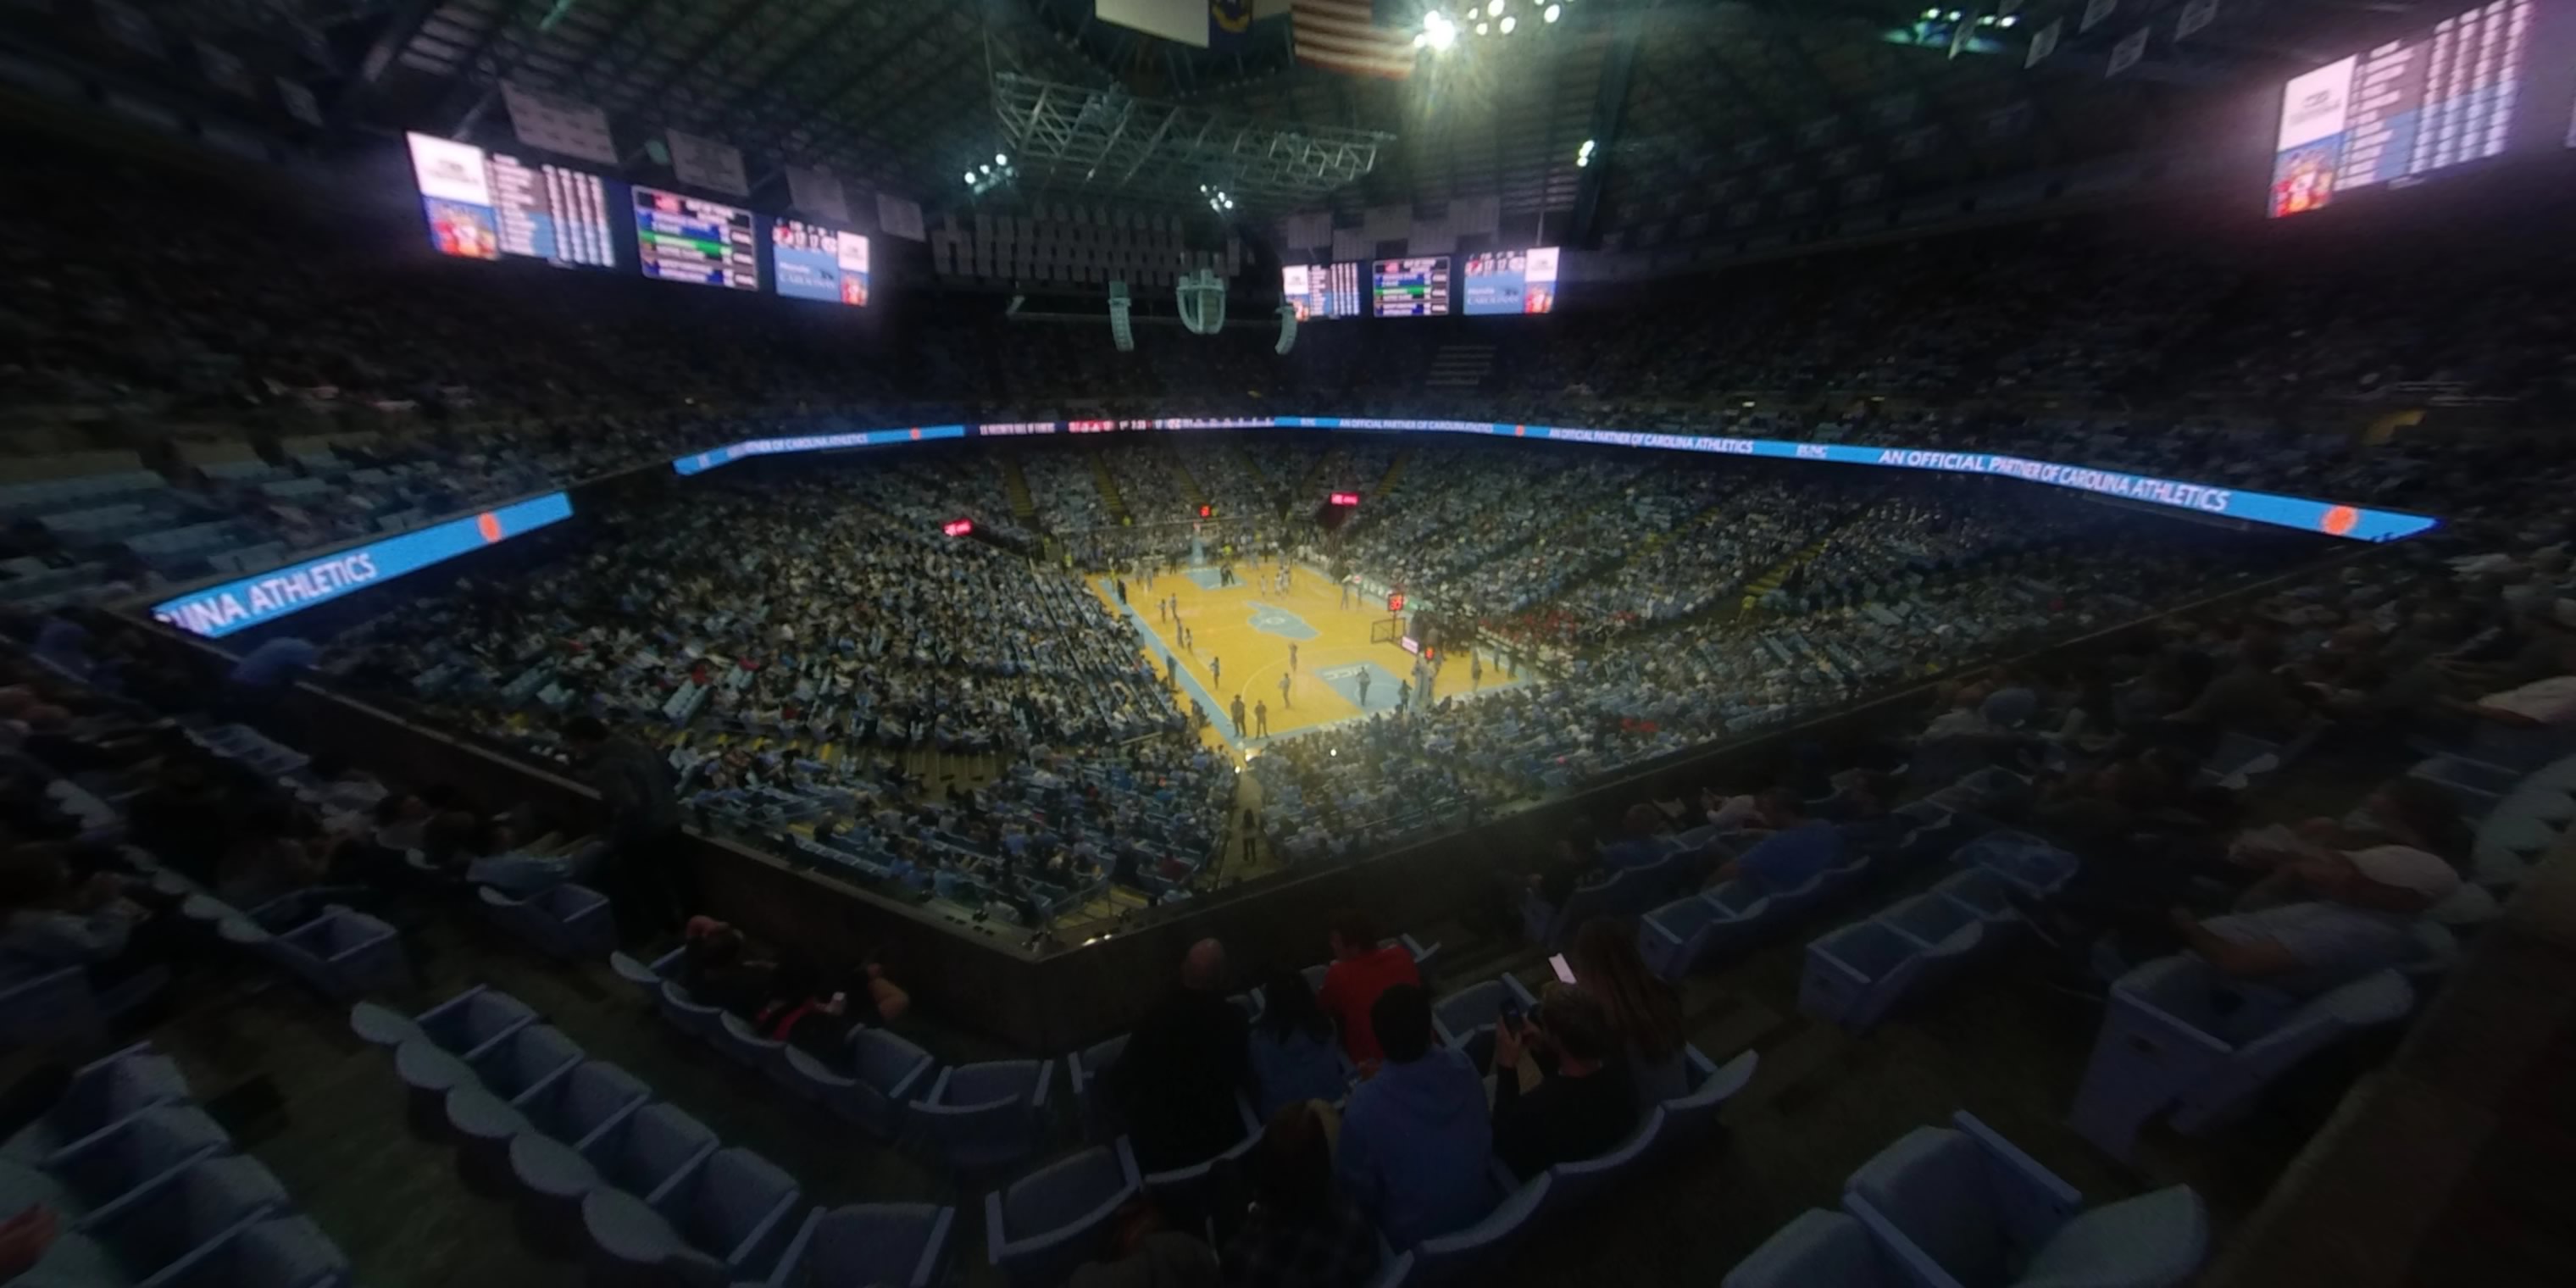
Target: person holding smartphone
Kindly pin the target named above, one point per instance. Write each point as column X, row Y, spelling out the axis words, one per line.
column 1583, row 1105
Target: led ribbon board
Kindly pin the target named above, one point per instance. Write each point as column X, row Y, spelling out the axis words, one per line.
column 2352, row 522
column 218, row 611
column 701, row 462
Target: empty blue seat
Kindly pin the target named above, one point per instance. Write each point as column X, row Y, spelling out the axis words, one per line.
column 1819, row 1249
column 278, row 1252
column 887, row 1069
column 1473, row 1010
column 591, row 1099
column 137, row 1152
column 164, row 1228
column 2162, row 1047
column 900, row 1245
column 465, row 1025
column 1453, row 1257
column 1986, row 895
column 1855, row 973
column 980, row 1117
column 746, row 1046
column 101, row 1095
column 1037, row 1229
column 649, row 1148
column 340, row 953
column 1099, row 1118
column 646, row 976
column 521, row 1065
column 2034, row 866
column 567, row 922
column 62, row 1006
column 734, row 1208
column 1964, row 1207
column 1572, row 1185
column 688, row 1014
column 1693, row 1117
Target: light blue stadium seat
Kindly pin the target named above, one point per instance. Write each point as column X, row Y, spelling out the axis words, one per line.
column 889, row 1069
column 977, row 1118
column 1984, row 894
column 465, row 1025
column 735, row 1208
column 567, row 922
column 1454, row 1258
column 2163, row 1048
column 900, row 1245
column 158, row 1233
column 2034, row 866
column 1963, row 1208
column 1692, row 1118
column 1099, row 1118
column 522, row 1065
column 585, row 1103
column 646, row 976
column 688, row 1014
column 1461, row 1016
column 103, row 1095
column 650, row 1149
column 278, row 1252
column 747, row 1046
column 140, row 1151
column 1039, row 1228
column 1573, row 1185
column 340, row 953
column 1818, row 1249
column 62, row 1006
column 1854, row 974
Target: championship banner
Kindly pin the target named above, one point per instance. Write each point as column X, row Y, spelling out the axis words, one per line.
column 899, row 217
column 2095, row 11
column 299, row 102
column 225, row 71
column 2196, row 17
column 554, row 123
column 818, row 192
column 2131, row 48
column 2044, row 42
column 702, row 162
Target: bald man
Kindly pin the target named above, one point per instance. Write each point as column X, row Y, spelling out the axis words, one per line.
column 1176, row 1084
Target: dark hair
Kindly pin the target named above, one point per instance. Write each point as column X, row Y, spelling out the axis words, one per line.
column 585, row 729
column 1401, row 1020
column 1288, row 1007
column 1643, row 1011
column 1355, row 928
column 1576, row 1022
column 1292, row 1169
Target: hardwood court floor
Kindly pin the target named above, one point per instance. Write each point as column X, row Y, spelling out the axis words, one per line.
column 1241, row 641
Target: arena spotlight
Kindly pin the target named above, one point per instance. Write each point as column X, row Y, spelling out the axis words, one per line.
column 1551, row 13
column 1508, row 23
column 1484, row 29
column 1493, row 8
column 1438, row 31
column 1001, row 158
column 1583, row 155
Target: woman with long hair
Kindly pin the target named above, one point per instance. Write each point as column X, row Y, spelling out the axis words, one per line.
column 1645, row 1012
column 1294, row 1056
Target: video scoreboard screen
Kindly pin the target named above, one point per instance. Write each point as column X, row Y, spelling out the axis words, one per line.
column 2403, row 110
column 1321, row 290
column 484, row 205
column 1511, row 281
column 1410, row 288
column 690, row 239
column 817, row 263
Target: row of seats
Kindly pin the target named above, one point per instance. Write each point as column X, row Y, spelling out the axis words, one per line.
column 1961, row 1207
column 148, row 1190
column 584, row 1142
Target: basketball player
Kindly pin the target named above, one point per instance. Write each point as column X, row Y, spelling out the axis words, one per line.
column 1284, row 703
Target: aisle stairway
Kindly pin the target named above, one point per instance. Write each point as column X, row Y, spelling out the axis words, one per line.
column 1190, row 490
column 1394, row 471
column 1108, row 486
column 1770, row 581
column 1458, row 367
column 1024, row 508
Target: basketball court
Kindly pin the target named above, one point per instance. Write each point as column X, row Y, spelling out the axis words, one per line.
column 1246, row 637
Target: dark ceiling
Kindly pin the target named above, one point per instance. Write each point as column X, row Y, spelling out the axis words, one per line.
column 1697, row 104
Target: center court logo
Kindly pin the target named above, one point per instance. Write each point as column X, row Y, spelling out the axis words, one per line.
column 1270, row 619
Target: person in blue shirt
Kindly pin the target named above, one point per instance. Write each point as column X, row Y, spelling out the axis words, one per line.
column 1796, row 851
column 1415, row 1140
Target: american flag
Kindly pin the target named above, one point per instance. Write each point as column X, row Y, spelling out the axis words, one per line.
column 1344, row 36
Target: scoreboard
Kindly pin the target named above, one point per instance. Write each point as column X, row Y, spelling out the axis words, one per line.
column 1511, row 281
column 691, row 239
column 811, row 262
column 1321, row 290
column 2405, row 109
column 1410, row 288
column 484, row 205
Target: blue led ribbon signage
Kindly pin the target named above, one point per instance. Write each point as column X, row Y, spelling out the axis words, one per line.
column 218, row 611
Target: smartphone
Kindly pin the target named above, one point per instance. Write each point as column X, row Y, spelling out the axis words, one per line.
column 1564, row 973
column 1510, row 1016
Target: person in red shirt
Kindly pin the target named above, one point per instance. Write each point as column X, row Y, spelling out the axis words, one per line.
column 1360, row 971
